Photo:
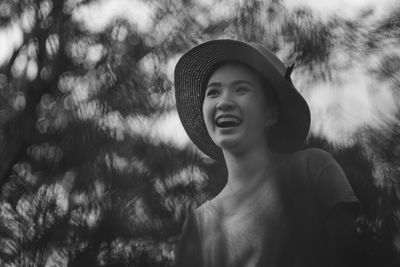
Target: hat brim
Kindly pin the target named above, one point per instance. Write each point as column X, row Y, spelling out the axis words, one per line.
column 190, row 75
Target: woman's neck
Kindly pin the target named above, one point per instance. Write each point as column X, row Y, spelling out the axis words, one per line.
column 245, row 169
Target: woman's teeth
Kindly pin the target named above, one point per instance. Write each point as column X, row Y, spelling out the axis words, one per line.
column 227, row 121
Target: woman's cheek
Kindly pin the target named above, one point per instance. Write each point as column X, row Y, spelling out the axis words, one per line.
column 255, row 121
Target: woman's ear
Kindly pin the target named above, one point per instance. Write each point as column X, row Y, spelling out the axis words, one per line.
column 272, row 116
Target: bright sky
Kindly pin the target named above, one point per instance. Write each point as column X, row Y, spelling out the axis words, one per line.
column 97, row 15
column 345, row 8
column 337, row 111
column 10, row 39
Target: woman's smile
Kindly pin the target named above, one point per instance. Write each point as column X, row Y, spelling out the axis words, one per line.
column 227, row 121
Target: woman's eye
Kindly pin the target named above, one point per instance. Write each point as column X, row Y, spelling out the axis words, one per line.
column 242, row 89
column 211, row 92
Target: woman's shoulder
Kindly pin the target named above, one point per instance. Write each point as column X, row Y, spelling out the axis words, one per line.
column 313, row 155
column 313, row 152
column 312, row 159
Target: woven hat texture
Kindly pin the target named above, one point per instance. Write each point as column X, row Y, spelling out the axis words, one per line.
column 191, row 76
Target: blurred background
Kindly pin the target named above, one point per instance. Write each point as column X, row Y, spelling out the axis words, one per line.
column 95, row 167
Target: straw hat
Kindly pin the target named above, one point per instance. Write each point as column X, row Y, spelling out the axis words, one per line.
column 191, row 76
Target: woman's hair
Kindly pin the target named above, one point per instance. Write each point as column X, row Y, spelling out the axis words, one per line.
column 267, row 87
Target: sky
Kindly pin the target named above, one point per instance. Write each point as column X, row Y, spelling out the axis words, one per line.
column 337, row 111
column 344, row 8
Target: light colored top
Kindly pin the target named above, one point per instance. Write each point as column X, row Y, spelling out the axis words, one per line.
column 279, row 224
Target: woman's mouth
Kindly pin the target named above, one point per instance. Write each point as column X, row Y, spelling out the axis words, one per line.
column 225, row 121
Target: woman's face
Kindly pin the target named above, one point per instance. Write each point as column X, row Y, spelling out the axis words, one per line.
column 235, row 108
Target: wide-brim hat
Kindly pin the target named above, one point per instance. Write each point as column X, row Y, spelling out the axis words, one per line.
column 193, row 70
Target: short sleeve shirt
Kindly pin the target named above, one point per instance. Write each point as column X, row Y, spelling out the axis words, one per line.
column 278, row 224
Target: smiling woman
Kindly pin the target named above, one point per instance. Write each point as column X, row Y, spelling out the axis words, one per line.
column 235, row 84
column 283, row 205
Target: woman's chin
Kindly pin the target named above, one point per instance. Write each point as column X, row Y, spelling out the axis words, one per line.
column 227, row 143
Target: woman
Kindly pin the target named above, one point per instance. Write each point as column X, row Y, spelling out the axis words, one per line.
column 283, row 205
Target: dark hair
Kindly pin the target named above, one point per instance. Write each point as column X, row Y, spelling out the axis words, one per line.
column 268, row 90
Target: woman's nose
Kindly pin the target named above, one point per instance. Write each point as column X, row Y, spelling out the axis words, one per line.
column 224, row 104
